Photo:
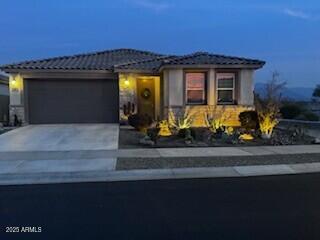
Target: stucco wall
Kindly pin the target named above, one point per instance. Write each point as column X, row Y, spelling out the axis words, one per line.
column 173, row 88
column 211, row 86
column 165, row 90
column 246, row 84
column 200, row 114
column 176, row 87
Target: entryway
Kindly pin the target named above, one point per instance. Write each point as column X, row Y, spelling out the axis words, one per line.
column 146, row 96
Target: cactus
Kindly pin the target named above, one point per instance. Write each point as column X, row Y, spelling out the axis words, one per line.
column 128, row 109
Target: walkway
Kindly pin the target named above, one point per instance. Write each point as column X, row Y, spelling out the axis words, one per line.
column 161, row 152
column 87, row 166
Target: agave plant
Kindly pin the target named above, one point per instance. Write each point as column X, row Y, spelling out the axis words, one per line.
column 183, row 122
column 267, row 122
column 216, row 119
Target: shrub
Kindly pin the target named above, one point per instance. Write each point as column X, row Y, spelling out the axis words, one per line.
column 249, row 120
column 268, row 108
column 188, row 135
column 184, row 132
column 200, row 133
column 139, row 121
column 153, row 134
column 290, row 111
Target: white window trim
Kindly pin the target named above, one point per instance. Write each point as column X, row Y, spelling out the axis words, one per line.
column 226, row 75
column 204, row 91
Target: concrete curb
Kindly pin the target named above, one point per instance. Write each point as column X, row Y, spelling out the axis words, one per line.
column 163, row 152
column 158, row 174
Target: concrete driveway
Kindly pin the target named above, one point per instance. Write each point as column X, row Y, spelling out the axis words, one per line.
column 61, row 137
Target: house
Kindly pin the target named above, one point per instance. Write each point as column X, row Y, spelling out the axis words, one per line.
column 4, row 99
column 94, row 87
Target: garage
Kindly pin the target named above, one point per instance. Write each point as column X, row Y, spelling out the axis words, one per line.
column 50, row 101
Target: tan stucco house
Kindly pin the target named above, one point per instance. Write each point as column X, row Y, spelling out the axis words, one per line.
column 93, row 87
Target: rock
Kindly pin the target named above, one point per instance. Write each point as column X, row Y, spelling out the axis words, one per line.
column 316, row 141
column 147, row 141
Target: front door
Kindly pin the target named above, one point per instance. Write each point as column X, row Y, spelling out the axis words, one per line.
column 146, row 97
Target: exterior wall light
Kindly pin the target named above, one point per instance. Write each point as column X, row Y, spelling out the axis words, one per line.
column 126, row 82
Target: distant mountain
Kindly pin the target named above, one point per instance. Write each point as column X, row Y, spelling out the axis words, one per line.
column 292, row 93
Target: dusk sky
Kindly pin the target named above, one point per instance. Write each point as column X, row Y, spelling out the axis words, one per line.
column 286, row 34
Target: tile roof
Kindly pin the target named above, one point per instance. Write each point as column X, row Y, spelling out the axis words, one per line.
column 104, row 60
column 205, row 58
column 146, row 65
column 128, row 59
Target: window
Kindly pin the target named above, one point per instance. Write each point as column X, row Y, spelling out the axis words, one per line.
column 196, row 88
column 225, row 88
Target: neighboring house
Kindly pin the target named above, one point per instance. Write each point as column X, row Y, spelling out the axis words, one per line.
column 93, row 87
column 4, row 99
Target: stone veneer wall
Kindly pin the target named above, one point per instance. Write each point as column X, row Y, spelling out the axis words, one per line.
column 199, row 113
column 16, row 98
column 19, row 111
column 128, row 92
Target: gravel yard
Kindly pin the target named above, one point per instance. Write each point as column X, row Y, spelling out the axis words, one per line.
column 162, row 163
column 130, row 138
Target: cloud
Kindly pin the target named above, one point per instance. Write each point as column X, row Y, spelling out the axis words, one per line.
column 152, row 5
column 297, row 14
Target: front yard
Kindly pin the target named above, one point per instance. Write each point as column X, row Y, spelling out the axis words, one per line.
column 203, row 137
column 217, row 126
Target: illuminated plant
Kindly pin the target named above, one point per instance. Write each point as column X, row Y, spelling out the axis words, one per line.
column 267, row 122
column 164, row 129
column 246, row 137
column 268, row 107
column 229, row 131
column 216, row 119
column 180, row 120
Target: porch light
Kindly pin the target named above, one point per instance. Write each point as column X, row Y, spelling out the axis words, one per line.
column 126, row 82
column 13, row 82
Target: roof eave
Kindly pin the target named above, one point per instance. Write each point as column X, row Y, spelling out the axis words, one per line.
column 21, row 71
column 136, row 70
column 228, row 66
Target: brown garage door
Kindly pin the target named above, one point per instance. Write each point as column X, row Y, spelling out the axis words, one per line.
column 72, row 101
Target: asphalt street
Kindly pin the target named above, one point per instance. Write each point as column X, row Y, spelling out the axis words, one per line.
column 275, row 207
